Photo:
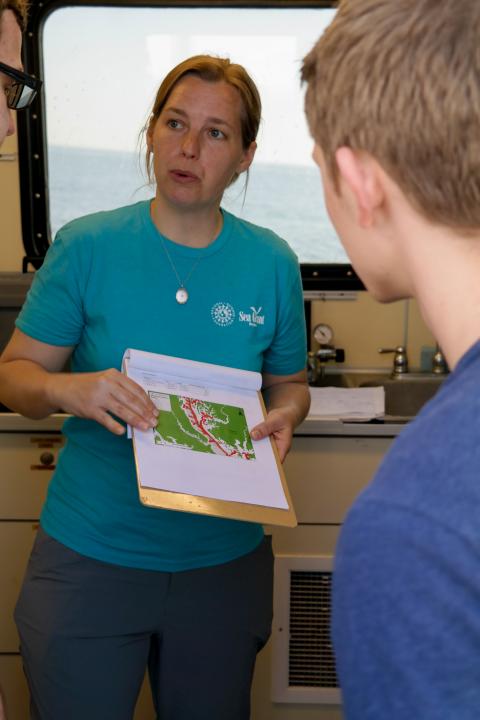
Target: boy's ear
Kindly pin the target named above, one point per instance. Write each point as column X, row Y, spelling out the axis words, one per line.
column 360, row 173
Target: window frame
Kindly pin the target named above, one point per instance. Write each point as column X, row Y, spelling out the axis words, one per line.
column 31, row 127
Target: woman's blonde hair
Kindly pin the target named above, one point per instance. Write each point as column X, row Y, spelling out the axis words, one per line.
column 400, row 79
column 212, row 69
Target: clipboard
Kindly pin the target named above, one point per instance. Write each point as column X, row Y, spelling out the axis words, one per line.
column 190, row 501
column 248, row 512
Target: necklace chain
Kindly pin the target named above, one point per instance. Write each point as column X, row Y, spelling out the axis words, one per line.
column 181, row 295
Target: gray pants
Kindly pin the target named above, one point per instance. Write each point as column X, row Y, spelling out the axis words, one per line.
column 89, row 629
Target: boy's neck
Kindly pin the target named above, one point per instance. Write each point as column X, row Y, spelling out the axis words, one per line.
column 445, row 271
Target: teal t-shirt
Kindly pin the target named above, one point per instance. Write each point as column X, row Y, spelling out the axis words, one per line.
column 106, row 285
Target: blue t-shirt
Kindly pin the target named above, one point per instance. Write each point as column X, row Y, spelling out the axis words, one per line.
column 406, row 591
column 107, row 285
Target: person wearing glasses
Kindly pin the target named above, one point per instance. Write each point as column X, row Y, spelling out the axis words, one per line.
column 17, row 92
column 18, row 88
column 112, row 586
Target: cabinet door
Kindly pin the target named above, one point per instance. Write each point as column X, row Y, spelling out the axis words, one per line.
column 16, row 540
column 144, row 709
column 14, row 687
column 15, row 691
column 325, row 474
column 27, row 464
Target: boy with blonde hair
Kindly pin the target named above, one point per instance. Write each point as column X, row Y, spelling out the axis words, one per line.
column 393, row 105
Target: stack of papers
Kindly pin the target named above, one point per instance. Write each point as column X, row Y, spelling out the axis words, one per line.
column 201, row 444
column 353, row 405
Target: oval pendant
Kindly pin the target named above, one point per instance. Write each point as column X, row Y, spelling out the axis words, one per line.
column 181, row 296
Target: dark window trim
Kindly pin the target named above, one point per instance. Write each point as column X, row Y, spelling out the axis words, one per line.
column 32, row 140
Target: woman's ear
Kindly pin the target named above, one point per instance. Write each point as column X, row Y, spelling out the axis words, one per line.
column 247, row 159
column 149, row 134
column 360, row 174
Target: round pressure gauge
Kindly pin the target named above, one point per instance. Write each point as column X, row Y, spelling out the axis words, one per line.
column 323, row 334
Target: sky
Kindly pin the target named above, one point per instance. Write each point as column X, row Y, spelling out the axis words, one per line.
column 103, row 65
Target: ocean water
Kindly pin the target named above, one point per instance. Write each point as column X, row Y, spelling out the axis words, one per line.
column 288, row 199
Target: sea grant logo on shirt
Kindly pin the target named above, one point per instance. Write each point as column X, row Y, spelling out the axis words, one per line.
column 223, row 314
column 253, row 318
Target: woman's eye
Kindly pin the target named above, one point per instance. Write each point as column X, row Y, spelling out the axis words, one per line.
column 174, row 124
column 216, row 133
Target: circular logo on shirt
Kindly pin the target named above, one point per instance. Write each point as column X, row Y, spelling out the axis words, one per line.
column 223, row 314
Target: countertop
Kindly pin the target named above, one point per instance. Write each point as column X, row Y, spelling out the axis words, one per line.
column 315, row 426
column 12, row 422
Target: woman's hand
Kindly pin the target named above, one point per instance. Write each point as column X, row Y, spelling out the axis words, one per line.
column 287, row 399
column 99, row 395
column 33, row 384
column 279, row 425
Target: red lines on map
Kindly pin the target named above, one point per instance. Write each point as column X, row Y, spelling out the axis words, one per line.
column 199, row 418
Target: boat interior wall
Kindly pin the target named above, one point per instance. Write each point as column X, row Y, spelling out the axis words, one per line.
column 11, row 246
column 363, row 325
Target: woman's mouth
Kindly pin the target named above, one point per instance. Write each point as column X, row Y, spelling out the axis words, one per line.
column 183, row 176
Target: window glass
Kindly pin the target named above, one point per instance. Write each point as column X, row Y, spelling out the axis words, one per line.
column 102, row 67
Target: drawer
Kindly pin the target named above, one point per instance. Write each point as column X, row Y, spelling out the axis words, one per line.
column 325, row 474
column 27, row 462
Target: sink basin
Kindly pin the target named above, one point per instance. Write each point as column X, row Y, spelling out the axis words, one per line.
column 404, row 395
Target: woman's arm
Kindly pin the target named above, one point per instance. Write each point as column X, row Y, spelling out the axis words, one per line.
column 31, row 383
column 287, row 399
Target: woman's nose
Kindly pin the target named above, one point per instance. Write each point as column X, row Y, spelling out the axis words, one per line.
column 191, row 145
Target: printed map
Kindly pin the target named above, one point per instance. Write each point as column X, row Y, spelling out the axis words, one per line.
column 202, row 426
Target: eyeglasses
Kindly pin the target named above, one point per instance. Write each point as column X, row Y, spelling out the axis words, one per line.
column 22, row 91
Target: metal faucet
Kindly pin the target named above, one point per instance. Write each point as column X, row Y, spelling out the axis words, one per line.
column 328, row 352
column 316, row 361
column 400, row 360
column 439, row 364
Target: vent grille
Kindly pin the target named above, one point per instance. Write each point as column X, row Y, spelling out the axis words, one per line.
column 311, row 663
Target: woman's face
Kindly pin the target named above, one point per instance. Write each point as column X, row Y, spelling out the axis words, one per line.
column 197, row 144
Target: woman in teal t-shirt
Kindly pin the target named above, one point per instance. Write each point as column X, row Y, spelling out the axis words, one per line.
column 114, row 587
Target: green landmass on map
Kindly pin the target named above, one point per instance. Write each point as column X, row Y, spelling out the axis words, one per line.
column 202, row 426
